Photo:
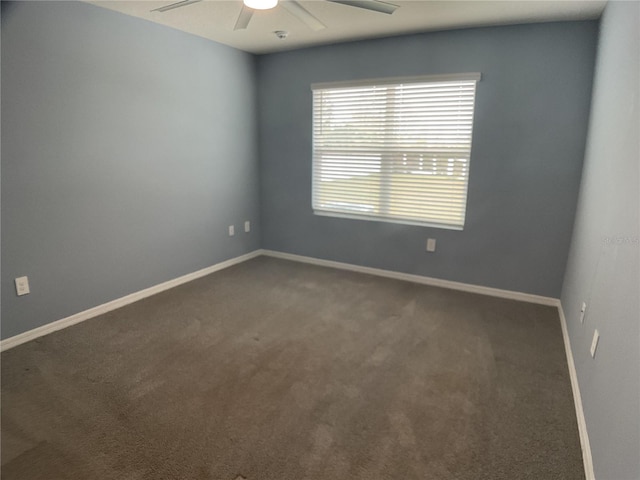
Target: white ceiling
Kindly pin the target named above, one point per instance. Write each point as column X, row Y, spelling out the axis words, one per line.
column 215, row 19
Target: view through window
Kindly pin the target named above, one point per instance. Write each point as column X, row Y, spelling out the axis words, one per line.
column 394, row 149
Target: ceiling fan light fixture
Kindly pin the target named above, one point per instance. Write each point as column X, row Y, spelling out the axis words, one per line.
column 260, row 4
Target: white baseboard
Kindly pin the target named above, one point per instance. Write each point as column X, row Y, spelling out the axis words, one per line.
column 120, row 302
column 587, row 459
column 435, row 282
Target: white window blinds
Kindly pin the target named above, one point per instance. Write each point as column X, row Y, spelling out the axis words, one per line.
column 394, row 149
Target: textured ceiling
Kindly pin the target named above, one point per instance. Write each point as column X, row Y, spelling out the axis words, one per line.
column 215, row 19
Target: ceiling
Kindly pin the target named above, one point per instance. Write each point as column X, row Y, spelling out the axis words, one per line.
column 215, row 19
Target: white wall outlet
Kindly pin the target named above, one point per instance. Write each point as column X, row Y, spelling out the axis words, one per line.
column 22, row 286
column 431, row 245
column 232, row 230
column 247, row 226
column 583, row 309
column 594, row 343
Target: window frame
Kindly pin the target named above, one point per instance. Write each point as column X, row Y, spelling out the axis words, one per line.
column 385, row 176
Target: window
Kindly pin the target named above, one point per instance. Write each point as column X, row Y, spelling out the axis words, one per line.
column 394, row 150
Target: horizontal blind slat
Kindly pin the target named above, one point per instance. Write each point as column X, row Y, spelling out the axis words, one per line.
column 395, row 151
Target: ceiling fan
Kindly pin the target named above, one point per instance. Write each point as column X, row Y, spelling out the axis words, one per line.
column 306, row 17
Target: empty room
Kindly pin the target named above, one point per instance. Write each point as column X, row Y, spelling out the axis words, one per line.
column 320, row 240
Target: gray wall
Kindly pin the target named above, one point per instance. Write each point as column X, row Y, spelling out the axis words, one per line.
column 528, row 145
column 603, row 266
column 127, row 149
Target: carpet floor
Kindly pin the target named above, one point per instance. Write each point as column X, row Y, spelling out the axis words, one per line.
column 275, row 370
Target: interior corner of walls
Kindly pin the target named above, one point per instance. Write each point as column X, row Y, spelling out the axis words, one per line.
column 167, row 212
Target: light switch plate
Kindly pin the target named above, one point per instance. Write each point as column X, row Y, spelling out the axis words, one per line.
column 247, row 226
column 431, row 245
column 232, row 230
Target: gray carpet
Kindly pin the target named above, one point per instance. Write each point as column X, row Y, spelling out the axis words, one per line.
column 274, row 370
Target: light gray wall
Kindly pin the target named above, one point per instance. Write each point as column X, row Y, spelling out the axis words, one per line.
column 127, row 149
column 528, row 145
column 603, row 266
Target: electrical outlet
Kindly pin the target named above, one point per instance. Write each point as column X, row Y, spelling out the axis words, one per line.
column 431, row 245
column 22, row 286
column 583, row 309
column 247, row 226
column 594, row 343
column 232, row 230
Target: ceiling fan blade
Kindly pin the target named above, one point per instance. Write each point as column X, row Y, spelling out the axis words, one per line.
column 171, row 6
column 373, row 5
column 244, row 18
column 303, row 15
